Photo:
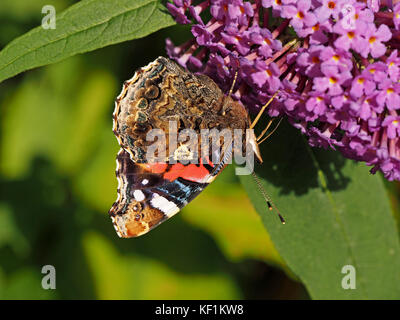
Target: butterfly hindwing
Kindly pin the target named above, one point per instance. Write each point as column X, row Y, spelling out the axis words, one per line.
column 150, row 194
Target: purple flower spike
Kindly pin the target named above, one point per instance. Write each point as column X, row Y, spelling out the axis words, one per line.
column 336, row 64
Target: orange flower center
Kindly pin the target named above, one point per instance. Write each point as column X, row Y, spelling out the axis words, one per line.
column 316, row 27
column 315, row 60
column 331, row 5
column 333, row 80
column 267, row 41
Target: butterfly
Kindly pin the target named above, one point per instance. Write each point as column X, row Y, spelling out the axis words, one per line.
column 161, row 93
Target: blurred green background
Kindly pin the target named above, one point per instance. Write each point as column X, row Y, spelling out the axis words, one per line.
column 57, row 163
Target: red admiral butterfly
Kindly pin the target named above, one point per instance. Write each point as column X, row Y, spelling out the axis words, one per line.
column 151, row 192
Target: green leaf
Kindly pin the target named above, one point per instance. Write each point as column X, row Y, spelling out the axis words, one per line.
column 137, row 277
column 66, row 114
column 225, row 212
column 85, row 26
column 336, row 214
column 25, row 284
column 100, row 168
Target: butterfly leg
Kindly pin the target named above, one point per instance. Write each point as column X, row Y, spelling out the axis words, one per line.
column 265, row 130
column 262, row 110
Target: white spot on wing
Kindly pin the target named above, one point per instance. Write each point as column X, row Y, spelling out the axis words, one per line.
column 139, row 195
column 161, row 203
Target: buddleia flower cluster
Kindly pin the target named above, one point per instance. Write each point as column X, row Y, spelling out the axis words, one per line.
column 335, row 64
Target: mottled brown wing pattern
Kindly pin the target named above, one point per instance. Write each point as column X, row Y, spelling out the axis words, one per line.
column 150, row 193
column 163, row 92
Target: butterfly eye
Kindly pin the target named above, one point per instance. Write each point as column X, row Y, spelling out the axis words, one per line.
column 137, row 217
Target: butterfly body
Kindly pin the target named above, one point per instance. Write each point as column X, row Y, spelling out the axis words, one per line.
column 150, row 192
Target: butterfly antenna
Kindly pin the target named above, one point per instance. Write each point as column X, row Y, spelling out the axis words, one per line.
column 270, row 204
column 262, row 110
column 271, row 133
column 233, row 84
column 265, row 130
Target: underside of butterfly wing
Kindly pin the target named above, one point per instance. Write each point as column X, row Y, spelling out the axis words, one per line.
column 150, row 191
column 150, row 194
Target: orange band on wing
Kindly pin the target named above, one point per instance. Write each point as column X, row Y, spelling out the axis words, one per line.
column 189, row 172
column 159, row 167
